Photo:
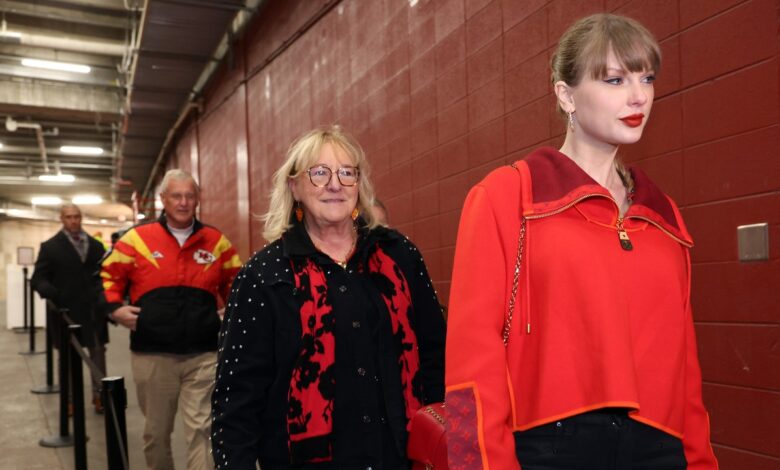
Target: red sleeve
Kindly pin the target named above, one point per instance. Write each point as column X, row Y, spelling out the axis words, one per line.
column 229, row 263
column 696, row 434
column 696, row 431
column 116, row 268
column 477, row 390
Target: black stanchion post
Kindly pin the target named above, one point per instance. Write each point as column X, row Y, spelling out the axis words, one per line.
column 64, row 439
column 115, row 399
column 25, row 298
column 32, row 318
column 77, row 390
column 49, row 387
column 31, row 303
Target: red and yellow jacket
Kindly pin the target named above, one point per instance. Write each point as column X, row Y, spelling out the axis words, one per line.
column 594, row 326
column 176, row 287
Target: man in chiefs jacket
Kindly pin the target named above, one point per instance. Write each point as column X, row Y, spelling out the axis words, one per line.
column 173, row 270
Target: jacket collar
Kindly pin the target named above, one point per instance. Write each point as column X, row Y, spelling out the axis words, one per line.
column 298, row 244
column 163, row 220
column 65, row 240
column 558, row 182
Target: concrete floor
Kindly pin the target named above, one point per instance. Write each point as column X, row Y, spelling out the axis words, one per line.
column 26, row 417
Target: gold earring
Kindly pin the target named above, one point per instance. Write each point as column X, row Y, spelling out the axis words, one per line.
column 355, row 213
column 571, row 120
column 298, row 211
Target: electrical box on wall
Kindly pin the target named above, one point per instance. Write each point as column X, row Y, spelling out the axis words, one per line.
column 753, row 242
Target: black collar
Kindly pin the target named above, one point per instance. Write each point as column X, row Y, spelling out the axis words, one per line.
column 298, row 244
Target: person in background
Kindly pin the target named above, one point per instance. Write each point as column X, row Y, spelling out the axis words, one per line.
column 99, row 237
column 570, row 338
column 175, row 269
column 380, row 212
column 65, row 274
column 333, row 336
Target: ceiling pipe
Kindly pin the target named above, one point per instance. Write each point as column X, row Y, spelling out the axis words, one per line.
column 64, row 44
column 127, row 69
column 13, row 125
column 81, row 166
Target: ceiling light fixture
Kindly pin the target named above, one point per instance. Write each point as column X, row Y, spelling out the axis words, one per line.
column 87, row 199
column 58, row 178
column 81, row 150
column 10, row 35
column 52, row 65
column 46, row 201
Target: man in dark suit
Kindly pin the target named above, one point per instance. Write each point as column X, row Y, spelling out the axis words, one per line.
column 66, row 273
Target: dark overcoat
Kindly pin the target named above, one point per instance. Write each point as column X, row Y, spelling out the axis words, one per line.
column 63, row 278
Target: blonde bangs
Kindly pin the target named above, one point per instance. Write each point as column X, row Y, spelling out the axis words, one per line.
column 634, row 47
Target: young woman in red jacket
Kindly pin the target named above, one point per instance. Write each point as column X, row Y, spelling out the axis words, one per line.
column 570, row 342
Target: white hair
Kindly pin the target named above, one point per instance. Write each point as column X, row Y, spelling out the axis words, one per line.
column 179, row 175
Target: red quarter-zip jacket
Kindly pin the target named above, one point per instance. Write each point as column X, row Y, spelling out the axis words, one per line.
column 595, row 325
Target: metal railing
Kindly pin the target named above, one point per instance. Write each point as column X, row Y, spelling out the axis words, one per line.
column 70, row 371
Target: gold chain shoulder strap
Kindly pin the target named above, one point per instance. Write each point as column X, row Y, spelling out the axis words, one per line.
column 515, row 281
column 515, row 277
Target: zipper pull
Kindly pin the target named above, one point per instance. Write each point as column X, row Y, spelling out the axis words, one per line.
column 625, row 242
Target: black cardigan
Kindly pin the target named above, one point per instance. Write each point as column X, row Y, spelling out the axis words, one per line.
column 261, row 339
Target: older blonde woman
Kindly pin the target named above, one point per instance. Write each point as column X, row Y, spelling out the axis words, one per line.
column 333, row 335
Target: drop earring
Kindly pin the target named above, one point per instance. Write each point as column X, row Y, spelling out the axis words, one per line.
column 571, row 120
column 355, row 213
column 298, row 211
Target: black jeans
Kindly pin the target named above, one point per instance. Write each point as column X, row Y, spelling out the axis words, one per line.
column 605, row 439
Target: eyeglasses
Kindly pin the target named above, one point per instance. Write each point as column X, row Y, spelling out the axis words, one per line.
column 177, row 197
column 320, row 175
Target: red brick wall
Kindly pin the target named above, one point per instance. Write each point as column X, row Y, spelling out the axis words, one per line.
column 441, row 92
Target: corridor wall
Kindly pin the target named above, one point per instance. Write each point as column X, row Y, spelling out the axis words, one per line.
column 440, row 92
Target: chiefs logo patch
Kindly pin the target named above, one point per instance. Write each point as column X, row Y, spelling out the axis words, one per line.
column 203, row 257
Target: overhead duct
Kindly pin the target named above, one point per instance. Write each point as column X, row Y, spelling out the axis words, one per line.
column 238, row 24
column 12, row 125
column 64, row 44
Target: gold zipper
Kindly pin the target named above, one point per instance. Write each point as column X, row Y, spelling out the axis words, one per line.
column 568, row 205
column 670, row 234
column 625, row 242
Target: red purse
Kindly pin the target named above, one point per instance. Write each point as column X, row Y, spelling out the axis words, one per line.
column 427, row 447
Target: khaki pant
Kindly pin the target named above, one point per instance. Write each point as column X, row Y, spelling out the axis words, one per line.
column 165, row 383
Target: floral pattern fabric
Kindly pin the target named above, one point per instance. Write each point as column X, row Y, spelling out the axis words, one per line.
column 312, row 387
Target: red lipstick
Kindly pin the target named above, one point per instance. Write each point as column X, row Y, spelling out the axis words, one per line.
column 635, row 120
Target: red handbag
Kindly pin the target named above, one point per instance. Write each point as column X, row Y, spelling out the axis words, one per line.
column 427, row 447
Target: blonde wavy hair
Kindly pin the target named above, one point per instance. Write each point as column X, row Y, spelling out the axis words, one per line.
column 301, row 155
